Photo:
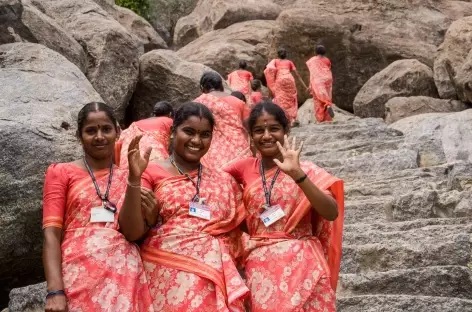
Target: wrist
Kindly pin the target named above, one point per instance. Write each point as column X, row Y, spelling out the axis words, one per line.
column 134, row 179
column 297, row 174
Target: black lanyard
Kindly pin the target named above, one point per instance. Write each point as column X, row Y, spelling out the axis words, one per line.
column 195, row 198
column 268, row 192
column 106, row 203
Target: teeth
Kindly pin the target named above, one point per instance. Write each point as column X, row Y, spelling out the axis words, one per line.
column 193, row 148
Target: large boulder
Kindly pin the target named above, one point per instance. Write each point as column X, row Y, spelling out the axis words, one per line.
column 306, row 113
column 41, row 94
column 217, row 14
column 112, row 51
column 401, row 78
column 20, row 21
column 401, row 107
column 438, row 137
column 164, row 76
column 135, row 25
column 357, row 40
column 222, row 49
column 164, row 15
column 452, row 57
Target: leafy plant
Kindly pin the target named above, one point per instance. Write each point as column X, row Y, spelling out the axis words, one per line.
column 140, row 7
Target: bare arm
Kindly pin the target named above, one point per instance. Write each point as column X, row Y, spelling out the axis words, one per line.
column 131, row 219
column 323, row 204
column 300, row 79
column 52, row 261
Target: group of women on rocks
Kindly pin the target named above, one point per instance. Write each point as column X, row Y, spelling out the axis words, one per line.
column 167, row 214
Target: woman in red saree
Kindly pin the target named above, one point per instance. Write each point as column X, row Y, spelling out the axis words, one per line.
column 230, row 140
column 293, row 255
column 281, row 83
column 321, row 84
column 155, row 132
column 189, row 257
column 256, row 95
column 94, row 268
column 240, row 80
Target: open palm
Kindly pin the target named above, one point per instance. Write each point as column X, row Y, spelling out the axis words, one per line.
column 291, row 156
column 137, row 163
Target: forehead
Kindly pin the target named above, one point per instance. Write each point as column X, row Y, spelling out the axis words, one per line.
column 266, row 119
column 94, row 118
column 196, row 122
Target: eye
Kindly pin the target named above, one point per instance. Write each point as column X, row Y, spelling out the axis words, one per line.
column 274, row 129
column 188, row 131
column 90, row 131
column 107, row 129
column 205, row 134
column 258, row 131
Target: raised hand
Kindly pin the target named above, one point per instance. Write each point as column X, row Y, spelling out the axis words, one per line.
column 137, row 163
column 291, row 158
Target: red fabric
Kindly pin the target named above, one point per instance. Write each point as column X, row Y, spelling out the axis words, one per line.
column 256, row 97
column 321, row 84
column 230, row 141
column 292, row 265
column 282, row 85
column 101, row 270
column 156, row 134
column 239, row 81
column 188, row 260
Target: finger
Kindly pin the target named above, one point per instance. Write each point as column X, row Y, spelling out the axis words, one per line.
column 294, row 143
column 281, row 148
column 300, row 147
column 147, row 154
column 286, row 142
column 278, row 163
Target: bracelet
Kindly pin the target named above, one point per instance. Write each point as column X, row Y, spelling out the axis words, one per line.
column 56, row 292
column 134, row 185
column 300, row 180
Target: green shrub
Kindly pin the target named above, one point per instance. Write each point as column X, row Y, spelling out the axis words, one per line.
column 140, row 7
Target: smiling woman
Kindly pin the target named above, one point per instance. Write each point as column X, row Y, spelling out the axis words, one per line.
column 82, row 244
column 295, row 217
column 189, row 258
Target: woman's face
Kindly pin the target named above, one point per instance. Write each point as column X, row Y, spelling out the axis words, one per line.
column 265, row 133
column 192, row 138
column 98, row 135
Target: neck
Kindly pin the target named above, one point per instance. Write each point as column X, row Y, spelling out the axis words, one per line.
column 268, row 162
column 184, row 165
column 98, row 164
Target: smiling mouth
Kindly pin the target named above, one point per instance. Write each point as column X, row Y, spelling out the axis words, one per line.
column 267, row 144
column 194, row 149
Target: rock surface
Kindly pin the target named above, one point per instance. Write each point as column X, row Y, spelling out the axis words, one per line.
column 306, row 113
column 358, row 43
column 438, row 137
column 28, row 299
column 209, row 15
column 223, row 49
column 401, row 78
column 452, row 57
column 22, row 22
column 112, row 52
column 42, row 93
column 401, row 107
column 164, row 76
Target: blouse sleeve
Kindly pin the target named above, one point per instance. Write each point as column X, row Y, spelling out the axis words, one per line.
column 54, row 197
column 146, row 179
column 292, row 66
column 235, row 170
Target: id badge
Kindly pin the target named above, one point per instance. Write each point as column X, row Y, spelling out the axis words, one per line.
column 272, row 215
column 100, row 214
column 199, row 210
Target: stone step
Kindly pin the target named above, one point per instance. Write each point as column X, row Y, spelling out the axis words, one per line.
column 402, row 303
column 405, row 225
column 440, row 281
column 435, row 245
column 348, row 149
column 372, row 209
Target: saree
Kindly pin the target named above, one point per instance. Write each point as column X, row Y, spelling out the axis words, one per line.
column 321, row 84
column 293, row 264
column 239, row 81
column 156, row 134
column 282, row 85
column 256, row 98
column 230, row 140
column 189, row 260
column 101, row 270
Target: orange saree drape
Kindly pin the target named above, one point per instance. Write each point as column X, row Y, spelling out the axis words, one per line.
column 321, row 84
column 101, row 270
column 190, row 261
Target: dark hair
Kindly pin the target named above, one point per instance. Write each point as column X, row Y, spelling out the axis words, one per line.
column 242, row 64
column 282, row 53
column 163, row 108
column 256, row 84
column 211, row 80
column 91, row 108
column 239, row 95
column 320, row 50
column 270, row 108
column 190, row 109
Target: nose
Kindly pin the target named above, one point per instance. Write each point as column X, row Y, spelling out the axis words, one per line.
column 99, row 135
column 266, row 134
column 196, row 139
